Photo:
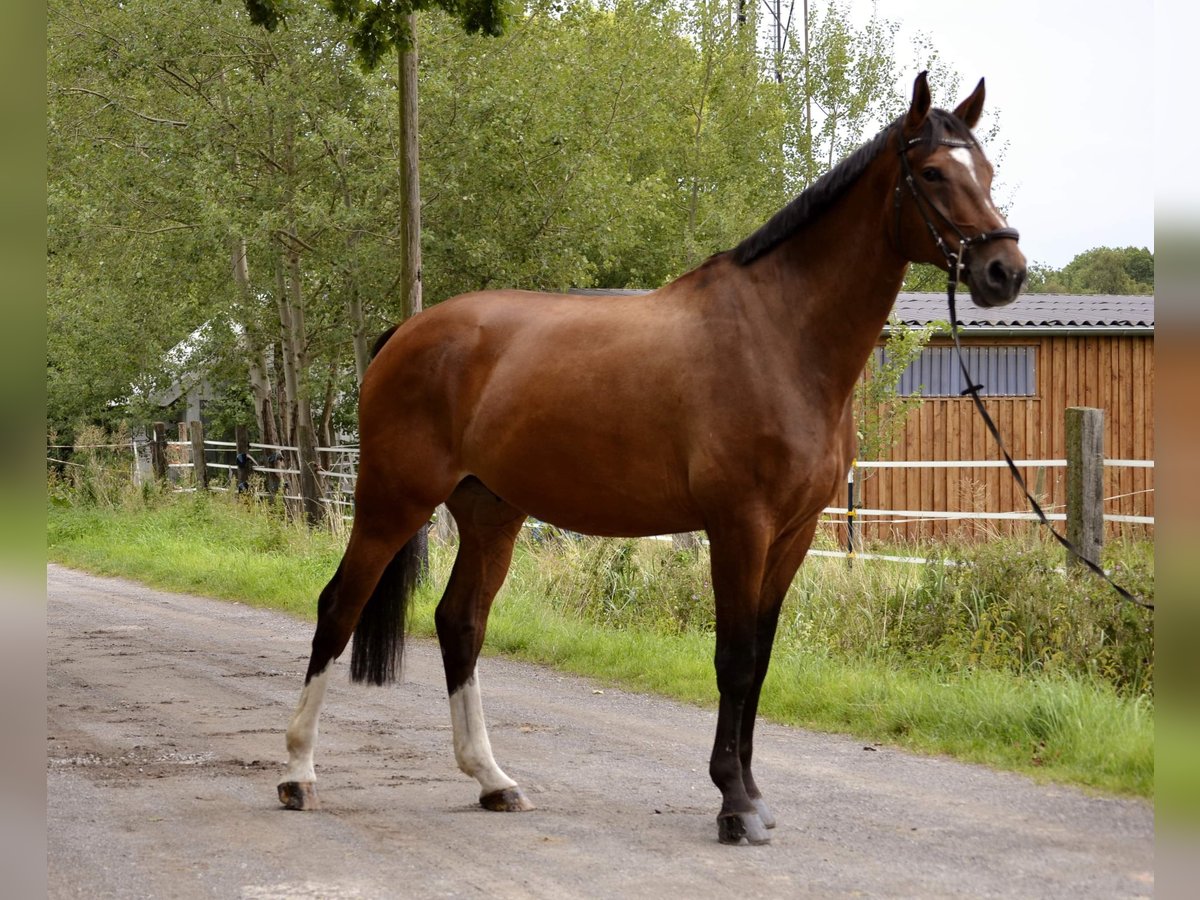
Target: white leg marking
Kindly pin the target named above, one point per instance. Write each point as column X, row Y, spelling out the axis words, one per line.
column 472, row 749
column 302, row 731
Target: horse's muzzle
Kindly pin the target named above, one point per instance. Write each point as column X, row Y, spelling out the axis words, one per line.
column 996, row 273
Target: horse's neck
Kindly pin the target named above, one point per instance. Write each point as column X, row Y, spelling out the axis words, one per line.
column 834, row 285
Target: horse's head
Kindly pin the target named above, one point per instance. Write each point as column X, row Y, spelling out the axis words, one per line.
column 943, row 204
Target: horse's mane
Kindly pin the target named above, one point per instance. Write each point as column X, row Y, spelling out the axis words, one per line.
column 826, row 190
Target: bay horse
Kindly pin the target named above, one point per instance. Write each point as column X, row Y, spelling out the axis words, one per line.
column 720, row 402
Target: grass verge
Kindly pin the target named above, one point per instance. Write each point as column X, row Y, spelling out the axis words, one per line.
column 1053, row 725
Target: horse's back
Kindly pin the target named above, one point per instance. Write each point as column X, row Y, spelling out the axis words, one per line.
column 530, row 392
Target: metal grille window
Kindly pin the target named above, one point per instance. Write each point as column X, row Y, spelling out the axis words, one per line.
column 1003, row 371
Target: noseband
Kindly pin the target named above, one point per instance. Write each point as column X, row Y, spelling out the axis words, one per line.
column 954, row 260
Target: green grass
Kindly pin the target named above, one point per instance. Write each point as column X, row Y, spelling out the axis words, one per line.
column 639, row 616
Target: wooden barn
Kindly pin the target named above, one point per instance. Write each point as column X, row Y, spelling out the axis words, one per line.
column 1035, row 358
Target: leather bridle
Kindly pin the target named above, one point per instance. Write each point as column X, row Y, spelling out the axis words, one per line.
column 955, row 260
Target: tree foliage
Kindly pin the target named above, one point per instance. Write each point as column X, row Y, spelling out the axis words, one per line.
column 1101, row 270
column 379, row 26
column 606, row 143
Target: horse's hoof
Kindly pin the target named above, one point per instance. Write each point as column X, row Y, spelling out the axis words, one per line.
column 298, row 795
column 511, row 799
column 764, row 812
column 733, row 828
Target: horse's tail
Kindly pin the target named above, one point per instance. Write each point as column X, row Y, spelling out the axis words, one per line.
column 383, row 339
column 378, row 650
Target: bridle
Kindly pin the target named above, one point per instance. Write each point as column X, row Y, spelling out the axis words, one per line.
column 955, row 260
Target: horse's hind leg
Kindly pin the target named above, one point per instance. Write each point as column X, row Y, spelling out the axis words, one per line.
column 379, row 566
column 488, row 529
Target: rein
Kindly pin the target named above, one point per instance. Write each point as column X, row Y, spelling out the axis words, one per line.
column 954, row 265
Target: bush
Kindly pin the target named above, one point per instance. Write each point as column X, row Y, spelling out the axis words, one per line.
column 1005, row 605
column 625, row 583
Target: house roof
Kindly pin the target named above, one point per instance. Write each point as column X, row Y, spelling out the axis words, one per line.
column 1028, row 314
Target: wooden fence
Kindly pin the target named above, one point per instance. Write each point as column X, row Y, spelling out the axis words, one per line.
column 1090, row 508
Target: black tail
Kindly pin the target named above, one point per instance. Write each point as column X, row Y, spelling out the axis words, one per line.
column 382, row 339
column 378, row 650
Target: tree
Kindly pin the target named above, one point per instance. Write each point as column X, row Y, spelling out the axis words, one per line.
column 203, row 169
column 377, row 27
column 925, row 277
column 849, row 75
column 584, row 148
column 1101, row 270
column 881, row 412
column 1108, row 270
column 182, row 148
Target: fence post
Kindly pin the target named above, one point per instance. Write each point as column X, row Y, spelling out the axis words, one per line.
column 1085, row 482
column 241, row 436
column 199, row 466
column 158, row 451
column 310, row 483
column 850, row 514
column 444, row 526
column 686, row 540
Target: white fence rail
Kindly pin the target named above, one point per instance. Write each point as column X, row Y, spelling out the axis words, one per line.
column 881, row 516
column 343, row 474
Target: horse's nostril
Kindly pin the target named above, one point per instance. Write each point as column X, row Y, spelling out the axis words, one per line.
column 997, row 275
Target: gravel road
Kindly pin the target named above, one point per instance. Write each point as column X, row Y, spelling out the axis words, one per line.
column 165, row 723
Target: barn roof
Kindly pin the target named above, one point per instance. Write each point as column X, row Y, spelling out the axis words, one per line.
column 1028, row 314
column 1054, row 312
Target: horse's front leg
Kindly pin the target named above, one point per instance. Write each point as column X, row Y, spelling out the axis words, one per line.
column 784, row 558
column 737, row 570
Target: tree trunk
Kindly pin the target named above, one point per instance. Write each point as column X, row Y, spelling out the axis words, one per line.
column 410, row 212
column 287, row 414
column 260, row 381
column 310, row 482
column 354, row 310
column 325, row 434
column 410, row 208
column 808, row 179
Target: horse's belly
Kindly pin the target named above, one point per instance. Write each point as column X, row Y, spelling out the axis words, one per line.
column 589, row 494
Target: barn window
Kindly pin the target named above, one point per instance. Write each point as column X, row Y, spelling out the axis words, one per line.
column 1004, row 371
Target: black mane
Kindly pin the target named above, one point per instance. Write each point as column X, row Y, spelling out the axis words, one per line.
column 822, row 193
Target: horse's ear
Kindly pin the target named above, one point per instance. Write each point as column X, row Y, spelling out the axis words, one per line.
column 920, row 105
column 972, row 108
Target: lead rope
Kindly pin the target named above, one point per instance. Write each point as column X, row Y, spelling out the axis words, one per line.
column 973, row 389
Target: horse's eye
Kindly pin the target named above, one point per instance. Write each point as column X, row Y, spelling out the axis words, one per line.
column 931, row 174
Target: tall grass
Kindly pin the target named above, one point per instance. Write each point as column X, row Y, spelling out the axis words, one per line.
column 1004, row 606
column 999, row 658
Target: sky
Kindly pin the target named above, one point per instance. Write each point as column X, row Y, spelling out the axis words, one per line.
column 1073, row 83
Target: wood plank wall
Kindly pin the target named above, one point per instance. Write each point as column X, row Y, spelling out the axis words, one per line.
column 1115, row 374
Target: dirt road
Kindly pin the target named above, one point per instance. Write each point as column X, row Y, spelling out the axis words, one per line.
column 165, row 741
